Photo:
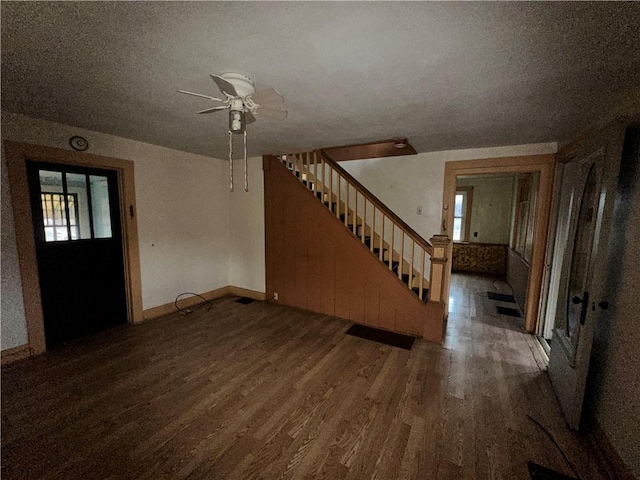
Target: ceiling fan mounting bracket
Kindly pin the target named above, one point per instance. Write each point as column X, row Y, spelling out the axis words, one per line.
column 244, row 85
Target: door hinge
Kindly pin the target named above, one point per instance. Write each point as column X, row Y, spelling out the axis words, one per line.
column 131, row 211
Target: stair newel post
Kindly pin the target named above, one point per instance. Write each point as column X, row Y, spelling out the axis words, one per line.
column 338, row 195
column 381, row 252
column 412, row 247
column 421, row 288
column 401, row 252
column 346, row 207
column 438, row 268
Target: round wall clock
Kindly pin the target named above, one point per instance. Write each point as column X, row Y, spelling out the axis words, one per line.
column 78, row 143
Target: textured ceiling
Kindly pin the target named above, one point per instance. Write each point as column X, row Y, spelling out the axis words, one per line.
column 445, row 75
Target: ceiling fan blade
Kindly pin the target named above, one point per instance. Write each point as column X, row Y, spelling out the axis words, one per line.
column 224, row 85
column 249, row 118
column 201, row 95
column 272, row 112
column 211, row 110
column 267, row 97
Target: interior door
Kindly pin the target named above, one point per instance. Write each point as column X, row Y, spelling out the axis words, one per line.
column 586, row 203
column 76, row 215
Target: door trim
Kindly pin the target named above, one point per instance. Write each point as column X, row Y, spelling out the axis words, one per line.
column 17, row 155
column 544, row 164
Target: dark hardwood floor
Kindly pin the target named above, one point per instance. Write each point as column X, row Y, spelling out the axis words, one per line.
column 266, row 392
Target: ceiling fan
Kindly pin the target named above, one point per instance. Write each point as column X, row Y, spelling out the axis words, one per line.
column 244, row 104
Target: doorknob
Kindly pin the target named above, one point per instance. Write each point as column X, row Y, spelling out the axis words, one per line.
column 603, row 304
column 577, row 300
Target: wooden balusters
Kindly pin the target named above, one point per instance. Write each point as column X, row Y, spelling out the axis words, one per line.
column 330, row 187
column 346, row 207
column 411, row 249
column 401, row 251
column 393, row 231
column 373, row 229
column 355, row 214
column 364, row 219
column 421, row 287
column 324, row 183
column 338, row 196
column 381, row 252
column 315, row 173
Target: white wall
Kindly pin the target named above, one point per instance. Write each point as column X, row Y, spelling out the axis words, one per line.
column 183, row 218
column 246, row 228
column 491, row 208
column 408, row 182
column 12, row 318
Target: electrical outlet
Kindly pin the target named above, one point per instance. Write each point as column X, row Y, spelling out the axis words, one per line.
column 419, row 211
column 275, row 295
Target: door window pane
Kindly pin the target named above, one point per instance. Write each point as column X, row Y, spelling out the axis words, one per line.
column 54, row 216
column 78, row 206
column 100, row 206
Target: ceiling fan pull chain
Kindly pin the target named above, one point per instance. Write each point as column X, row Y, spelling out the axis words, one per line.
column 230, row 161
column 246, row 175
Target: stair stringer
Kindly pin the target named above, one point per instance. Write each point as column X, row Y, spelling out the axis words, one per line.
column 313, row 262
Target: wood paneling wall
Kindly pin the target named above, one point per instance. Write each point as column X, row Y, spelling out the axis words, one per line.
column 315, row 263
column 480, row 258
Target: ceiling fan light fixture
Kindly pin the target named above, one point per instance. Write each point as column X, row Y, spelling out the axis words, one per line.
column 237, row 121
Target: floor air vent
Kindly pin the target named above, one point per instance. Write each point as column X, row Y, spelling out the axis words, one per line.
column 501, row 297
column 245, row 300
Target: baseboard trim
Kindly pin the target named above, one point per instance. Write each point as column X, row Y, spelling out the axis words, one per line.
column 14, row 354
column 245, row 292
column 618, row 467
column 167, row 308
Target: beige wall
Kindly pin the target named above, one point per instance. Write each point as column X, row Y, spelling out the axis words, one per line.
column 491, row 208
column 184, row 220
column 406, row 183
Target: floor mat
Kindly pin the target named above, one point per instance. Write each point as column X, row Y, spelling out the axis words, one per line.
column 501, row 297
column 381, row 336
column 538, row 472
column 245, row 300
column 512, row 312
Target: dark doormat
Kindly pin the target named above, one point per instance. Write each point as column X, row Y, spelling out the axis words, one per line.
column 538, row 472
column 512, row 312
column 381, row 336
column 501, row 297
column 245, row 300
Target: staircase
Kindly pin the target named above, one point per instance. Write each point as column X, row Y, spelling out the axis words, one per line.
column 407, row 258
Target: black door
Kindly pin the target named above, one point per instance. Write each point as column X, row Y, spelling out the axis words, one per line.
column 76, row 215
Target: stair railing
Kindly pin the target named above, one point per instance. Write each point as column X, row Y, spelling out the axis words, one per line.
column 400, row 248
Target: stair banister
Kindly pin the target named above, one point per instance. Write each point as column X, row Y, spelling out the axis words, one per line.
column 375, row 201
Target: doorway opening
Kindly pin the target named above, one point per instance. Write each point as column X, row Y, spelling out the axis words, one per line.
column 496, row 211
column 78, row 237
column 53, row 216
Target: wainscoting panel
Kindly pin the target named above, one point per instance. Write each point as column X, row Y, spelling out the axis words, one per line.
column 480, row 258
